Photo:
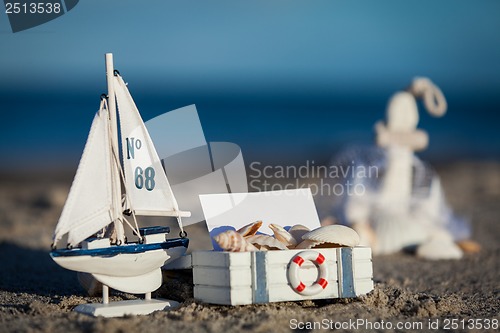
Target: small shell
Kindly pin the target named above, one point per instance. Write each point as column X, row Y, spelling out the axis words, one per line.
column 437, row 249
column 306, row 244
column 283, row 236
column 234, row 242
column 250, row 229
column 338, row 235
column 266, row 241
column 298, row 230
column 469, row 246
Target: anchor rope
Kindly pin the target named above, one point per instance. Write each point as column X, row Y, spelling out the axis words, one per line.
column 432, row 96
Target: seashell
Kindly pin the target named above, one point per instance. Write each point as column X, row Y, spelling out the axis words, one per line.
column 267, row 242
column 395, row 230
column 233, row 241
column 469, row 246
column 437, row 248
column 330, row 236
column 306, row 244
column 283, row 236
column 250, row 229
column 298, row 230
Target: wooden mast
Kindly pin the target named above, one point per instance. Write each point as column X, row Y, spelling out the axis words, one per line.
column 115, row 175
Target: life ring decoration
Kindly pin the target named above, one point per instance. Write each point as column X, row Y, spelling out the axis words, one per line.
column 293, row 273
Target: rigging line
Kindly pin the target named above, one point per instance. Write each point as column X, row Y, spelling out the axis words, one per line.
column 127, row 198
column 131, row 227
column 122, row 176
column 179, row 222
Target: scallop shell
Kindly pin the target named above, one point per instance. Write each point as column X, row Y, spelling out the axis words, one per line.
column 233, row 241
column 469, row 246
column 330, row 236
column 395, row 230
column 283, row 236
column 437, row 249
column 250, row 229
column 440, row 245
column 267, row 242
column 307, row 244
column 298, row 230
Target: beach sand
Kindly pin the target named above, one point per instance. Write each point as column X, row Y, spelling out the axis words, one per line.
column 36, row 295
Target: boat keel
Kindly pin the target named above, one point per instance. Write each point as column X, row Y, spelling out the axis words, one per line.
column 141, row 284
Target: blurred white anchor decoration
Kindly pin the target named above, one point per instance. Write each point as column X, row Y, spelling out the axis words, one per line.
column 91, row 227
column 405, row 207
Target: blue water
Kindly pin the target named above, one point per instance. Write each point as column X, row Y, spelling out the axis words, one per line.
column 281, row 126
column 287, row 81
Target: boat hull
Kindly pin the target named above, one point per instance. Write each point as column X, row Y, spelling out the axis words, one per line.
column 133, row 284
column 121, row 261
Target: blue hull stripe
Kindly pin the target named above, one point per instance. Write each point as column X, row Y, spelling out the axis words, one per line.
column 115, row 249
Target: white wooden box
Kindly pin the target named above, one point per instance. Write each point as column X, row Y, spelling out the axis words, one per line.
column 236, row 278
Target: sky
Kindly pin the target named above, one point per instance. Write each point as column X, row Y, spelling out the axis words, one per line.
column 288, row 81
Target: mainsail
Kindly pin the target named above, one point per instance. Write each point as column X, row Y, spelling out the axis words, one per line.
column 88, row 207
column 147, row 187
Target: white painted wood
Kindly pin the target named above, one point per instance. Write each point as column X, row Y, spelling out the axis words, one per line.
column 220, row 277
column 162, row 213
column 120, row 265
column 223, row 295
column 95, row 243
column 363, row 286
column 221, row 259
column 105, row 294
column 281, row 293
column 231, row 278
column 363, row 269
column 130, row 307
column 156, row 238
column 133, row 284
column 113, row 135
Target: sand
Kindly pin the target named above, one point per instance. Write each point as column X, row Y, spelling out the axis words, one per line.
column 36, row 295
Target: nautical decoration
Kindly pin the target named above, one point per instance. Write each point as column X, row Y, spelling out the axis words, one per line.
column 256, row 277
column 90, row 235
column 330, row 236
column 250, row 229
column 403, row 205
column 293, row 273
column 283, row 236
column 233, row 241
column 266, row 242
column 272, row 269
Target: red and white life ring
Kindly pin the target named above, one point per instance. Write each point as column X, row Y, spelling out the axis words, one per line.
column 293, row 273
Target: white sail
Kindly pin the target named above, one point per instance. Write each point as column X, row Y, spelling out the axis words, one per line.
column 88, row 207
column 147, row 186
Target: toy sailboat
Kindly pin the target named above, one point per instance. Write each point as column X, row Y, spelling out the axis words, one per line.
column 91, row 230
